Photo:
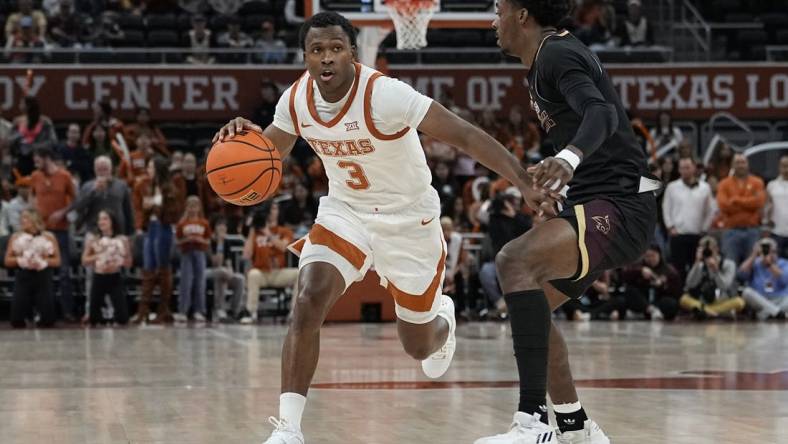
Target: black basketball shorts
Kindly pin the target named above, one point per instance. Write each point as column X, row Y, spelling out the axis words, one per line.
column 611, row 232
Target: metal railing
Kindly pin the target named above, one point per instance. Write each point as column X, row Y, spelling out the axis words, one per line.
column 146, row 55
column 693, row 22
column 776, row 53
column 177, row 55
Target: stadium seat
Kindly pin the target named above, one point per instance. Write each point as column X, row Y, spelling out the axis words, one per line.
column 720, row 8
column 440, row 37
column 136, row 58
column 178, row 145
column 130, row 21
column 468, row 38
column 739, row 17
column 175, row 130
column 257, row 7
column 161, row 22
column 466, row 5
column 290, row 37
column 184, row 22
column 219, row 23
column 251, row 23
column 204, row 130
column 163, row 39
column 490, row 39
column 403, row 58
column 132, row 39
column 200, row 145
column 748, row 40
column 98, row 57
column 773, row 23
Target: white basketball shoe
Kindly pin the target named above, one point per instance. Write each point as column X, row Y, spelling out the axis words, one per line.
column 284, row 433
column 437, row 363
column 591, row 434
column 525, row 429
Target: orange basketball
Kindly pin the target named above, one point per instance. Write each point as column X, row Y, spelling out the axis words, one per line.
column 245, row 169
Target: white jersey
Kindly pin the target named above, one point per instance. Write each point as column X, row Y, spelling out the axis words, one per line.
column 367, row 141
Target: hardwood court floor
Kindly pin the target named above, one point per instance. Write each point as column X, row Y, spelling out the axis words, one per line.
column 645, row 383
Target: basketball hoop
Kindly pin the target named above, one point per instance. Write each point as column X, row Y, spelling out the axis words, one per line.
column 411, row 20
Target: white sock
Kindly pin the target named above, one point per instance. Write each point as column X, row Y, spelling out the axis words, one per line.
column 291, row 408
column 565, row 409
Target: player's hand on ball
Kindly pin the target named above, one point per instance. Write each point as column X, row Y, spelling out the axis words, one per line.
column 235, row 126
column 551, row 175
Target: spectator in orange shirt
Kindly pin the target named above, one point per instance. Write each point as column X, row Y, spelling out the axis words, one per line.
column 521, row 133
column 102, row 116
column 194, row 239
column 53, row 189
column 143, row 125
column 266, row 248
column 138, row 159
column 741, row 198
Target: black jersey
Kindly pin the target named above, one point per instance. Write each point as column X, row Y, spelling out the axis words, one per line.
column 577, row 105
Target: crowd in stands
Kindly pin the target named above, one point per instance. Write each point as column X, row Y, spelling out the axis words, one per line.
column 131, row 232
column 602, row 23
column 257, row 26
column 126, row 226
column 267, row 29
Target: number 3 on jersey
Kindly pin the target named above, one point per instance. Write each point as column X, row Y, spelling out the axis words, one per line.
column 360, row 181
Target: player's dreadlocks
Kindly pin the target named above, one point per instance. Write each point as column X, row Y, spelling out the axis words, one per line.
column 547, row 12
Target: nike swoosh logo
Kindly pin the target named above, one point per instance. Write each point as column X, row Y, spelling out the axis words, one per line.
column 304, row 125
column 423, row 222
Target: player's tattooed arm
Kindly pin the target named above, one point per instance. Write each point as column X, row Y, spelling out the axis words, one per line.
column 282, row 140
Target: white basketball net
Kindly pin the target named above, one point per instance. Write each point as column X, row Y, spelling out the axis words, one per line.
column 411, row 20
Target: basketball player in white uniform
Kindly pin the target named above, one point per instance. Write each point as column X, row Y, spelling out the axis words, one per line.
column 380, row 210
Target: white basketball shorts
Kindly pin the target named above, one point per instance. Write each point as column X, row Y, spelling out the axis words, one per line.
column 406, row 248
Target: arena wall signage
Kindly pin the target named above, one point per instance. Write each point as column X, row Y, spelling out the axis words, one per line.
column 215, row 93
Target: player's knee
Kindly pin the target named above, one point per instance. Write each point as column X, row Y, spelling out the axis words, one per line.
column 503, row 262
column 309, row 307
column 306, row 310
column 518, row 263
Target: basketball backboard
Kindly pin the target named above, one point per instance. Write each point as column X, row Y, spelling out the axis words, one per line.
column 449, row 14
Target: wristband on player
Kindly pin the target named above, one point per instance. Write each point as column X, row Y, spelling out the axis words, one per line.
column 570, row 157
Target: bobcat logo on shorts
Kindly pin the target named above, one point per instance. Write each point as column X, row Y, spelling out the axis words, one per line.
column 602, row 223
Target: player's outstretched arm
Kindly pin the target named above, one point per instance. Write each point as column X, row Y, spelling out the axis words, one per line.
column 446, row 126
column 282, row 140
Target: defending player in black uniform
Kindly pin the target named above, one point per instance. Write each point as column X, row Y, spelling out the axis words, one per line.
column 607, row 220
